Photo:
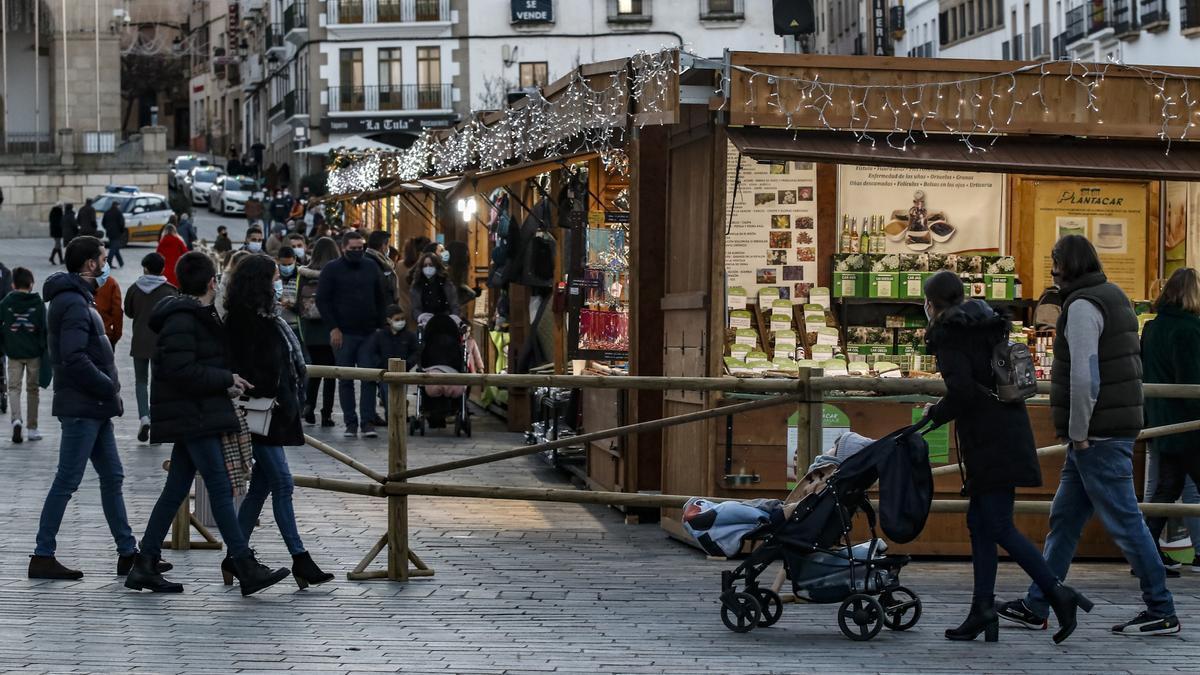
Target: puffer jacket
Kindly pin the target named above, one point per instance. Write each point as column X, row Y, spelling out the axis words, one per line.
column 190, row 374
column 995, row 440
column 85, row 374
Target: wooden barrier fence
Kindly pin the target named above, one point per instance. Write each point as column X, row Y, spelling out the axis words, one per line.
column 806, row 391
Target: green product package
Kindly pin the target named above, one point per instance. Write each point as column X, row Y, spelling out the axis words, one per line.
column 938, row 439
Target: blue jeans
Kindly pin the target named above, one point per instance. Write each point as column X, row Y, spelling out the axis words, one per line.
column 1100, row 479
column 354, row 353
column 203, row 455
column 114, row 252
column 1190, row 494
column 86, row 439
column 141, row 386
column 271, row 474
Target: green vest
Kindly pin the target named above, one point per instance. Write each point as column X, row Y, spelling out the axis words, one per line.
column 1118, row 410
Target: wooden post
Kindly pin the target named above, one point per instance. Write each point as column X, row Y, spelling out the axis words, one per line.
column 397, row 462
column 808, row 432
column 181, row 527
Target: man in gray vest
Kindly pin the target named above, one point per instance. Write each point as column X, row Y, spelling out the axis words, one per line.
column 1096, row 402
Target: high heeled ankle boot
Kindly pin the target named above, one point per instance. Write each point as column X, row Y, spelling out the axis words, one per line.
column 982, row 619
column 1065, row 600
column 144, row 575
column 306, row 571
column 255, row 576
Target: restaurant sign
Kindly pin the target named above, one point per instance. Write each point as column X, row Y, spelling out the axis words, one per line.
column 375, row 124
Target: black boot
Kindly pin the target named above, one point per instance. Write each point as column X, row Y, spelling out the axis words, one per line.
column 228, row 573
column 326, row 419
column 982, row 619
column 48, row 567
column 255, row 576
column 306, row 571
column 1065, row 600
column 309, row 414
column 145, row 576
column 125, row 563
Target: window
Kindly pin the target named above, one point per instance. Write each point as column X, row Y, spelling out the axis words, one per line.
column 390, row 90
column 1005, row 52
column 429, row 78
column 979, row 16
column 962, row 21
column 631, row 7
column 534, row 74
column 350, row 69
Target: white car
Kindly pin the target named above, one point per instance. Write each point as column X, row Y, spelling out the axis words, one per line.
column 145, row 213
column 199, row 181
column 229, row 194
column 180, row 166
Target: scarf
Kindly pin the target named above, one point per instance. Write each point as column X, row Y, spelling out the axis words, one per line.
column 237, row 449
column 295, row 351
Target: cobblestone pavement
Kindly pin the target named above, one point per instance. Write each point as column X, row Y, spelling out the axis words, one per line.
column 520, row 586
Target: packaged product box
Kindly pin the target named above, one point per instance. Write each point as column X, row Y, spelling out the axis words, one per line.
column 868, row 340
column 736, row 298
column 974, row 285
column 739, row 351
column 741, row 318
column 883, row 285
column 849, row 275
column 1000, row 286
column 1000, row 264
column 819, row 296
column 914, row 269
column 940, row 261
column 746, row 336
column 781, row 307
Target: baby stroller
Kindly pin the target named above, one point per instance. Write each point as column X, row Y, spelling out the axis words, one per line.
column 813, row 541
column 443, row 350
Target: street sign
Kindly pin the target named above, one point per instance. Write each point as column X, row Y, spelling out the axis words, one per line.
column 532, row 11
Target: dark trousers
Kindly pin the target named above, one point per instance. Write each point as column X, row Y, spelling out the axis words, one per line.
column 990, row 519
column 1173, row 471
column 114, row 252
column 57, row 251
column 321, row 355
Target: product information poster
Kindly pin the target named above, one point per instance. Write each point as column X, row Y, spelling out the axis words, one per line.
column 1175, row 227
column 925, row 211
column 772, row 238
column 1111, row 215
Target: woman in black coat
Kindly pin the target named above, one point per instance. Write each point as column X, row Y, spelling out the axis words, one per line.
column 56, row 233
column 430, row 289
column 264, row 350
column 996, row 452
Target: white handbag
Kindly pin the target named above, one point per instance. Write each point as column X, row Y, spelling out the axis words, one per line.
column 258, row 413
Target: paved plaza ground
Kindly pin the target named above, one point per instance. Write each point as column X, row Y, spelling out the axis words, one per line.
column 520, row 586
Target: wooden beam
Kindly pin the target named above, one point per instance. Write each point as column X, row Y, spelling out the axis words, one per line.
column 569, row 496
column 349, row 487
column 345, row 459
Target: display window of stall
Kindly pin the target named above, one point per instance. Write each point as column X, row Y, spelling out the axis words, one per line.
column 599, row 278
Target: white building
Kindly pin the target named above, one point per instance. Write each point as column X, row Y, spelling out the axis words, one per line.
column 1156, row 32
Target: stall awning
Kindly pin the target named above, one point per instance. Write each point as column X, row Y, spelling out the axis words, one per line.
column 1089, row 158
column 485, row 182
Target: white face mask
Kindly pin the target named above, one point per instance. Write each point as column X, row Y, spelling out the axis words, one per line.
column 299, row 251
column 254, row 246
column 928, row 312
column 429, row 271
column 398, row 325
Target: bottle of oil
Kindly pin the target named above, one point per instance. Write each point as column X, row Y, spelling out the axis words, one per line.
column 854, row 241
column 845, row 239
column 864, row 242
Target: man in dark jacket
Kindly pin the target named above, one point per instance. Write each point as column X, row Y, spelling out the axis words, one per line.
column 114, row 227
column 1096, row 404
column 187, row 230
column 23, row 341
column 56, row 232
column 191, row 406
column 140, row 301
column 87, row 219
column 70, row 226
column 351, row 300
column 87, row 395
column 281, row 208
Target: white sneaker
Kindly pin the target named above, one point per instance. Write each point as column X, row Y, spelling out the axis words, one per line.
column 34, row 435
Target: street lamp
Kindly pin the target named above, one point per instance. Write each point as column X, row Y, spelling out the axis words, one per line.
column 466, row 207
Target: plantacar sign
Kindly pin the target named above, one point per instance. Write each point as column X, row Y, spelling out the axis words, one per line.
column 532, row 11
column 1089, row 195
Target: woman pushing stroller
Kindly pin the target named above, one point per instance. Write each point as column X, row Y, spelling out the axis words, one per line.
column 997, row 453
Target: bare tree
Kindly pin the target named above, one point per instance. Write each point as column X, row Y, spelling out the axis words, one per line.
column 495, row 93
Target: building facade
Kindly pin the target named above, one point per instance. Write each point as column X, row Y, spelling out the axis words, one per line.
column 1152, row 32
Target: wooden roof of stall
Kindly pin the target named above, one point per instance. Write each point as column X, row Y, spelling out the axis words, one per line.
column 1126, row 107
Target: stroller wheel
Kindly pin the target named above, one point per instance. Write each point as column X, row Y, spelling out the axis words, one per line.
column 860, row 617
column 771, row 604
column 901, row 607
column 740, row 612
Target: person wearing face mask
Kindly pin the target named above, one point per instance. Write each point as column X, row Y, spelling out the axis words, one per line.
column 297, row 241
column 351, row 301
column 87, row 395
column 285, row 286
column 377, row 250
column 996, row 451
column 393, row 342
column 1096, row 405
column 431, row 291
column 254, row 240
column 281, row 207
column 171, row 247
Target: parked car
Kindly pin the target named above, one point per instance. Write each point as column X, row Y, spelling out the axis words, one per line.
column 229, row 194
column 199, row 181
column 180, row 166
column 145, row 213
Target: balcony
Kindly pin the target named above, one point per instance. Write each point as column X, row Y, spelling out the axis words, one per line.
column 629, row 12
column 1077, row 22
column 1086, row 20
column 275, row 110
column 388, row 11
column 385, row 97
column 274, row 40
column 1125, row 19
column 722, row 10
column 1154, row 15
column 252, row 71
column 295, row 23
column 295, row 104
column 1189, row 16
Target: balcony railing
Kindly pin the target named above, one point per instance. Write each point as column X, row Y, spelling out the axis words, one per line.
column 274, row 36
column 629, row 11
column 295, row 103
column 722, row 10
column 295, row 17
column 390, row 97
column 1077, row 22
column 1124, row 18
column 1189, row 14
column 1154, row 14
column 276, row 109
column 387, row 11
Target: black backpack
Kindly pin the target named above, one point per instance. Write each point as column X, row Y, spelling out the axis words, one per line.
column 1015, row 377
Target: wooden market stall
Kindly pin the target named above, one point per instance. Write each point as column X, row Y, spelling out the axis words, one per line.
column 765, row 183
